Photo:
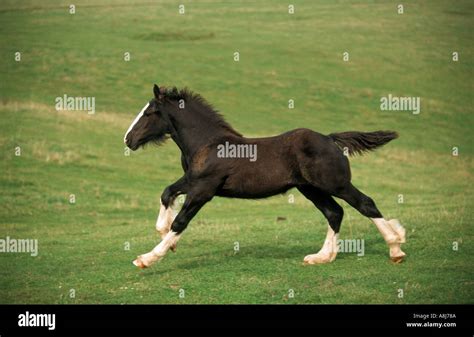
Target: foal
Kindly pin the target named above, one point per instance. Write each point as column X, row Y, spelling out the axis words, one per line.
column 313, row 163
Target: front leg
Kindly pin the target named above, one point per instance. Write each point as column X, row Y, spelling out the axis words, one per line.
column 168, row 206
column 165, row 219
column 194, row 201
column 172, row 191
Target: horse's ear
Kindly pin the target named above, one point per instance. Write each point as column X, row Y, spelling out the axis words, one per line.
column 156, row 91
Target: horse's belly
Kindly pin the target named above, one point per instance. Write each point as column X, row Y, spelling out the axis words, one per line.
column 248, row 183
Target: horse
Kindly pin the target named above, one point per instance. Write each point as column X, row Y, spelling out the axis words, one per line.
column 216, row 162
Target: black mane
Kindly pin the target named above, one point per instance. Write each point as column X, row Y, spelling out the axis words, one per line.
column 190, row 97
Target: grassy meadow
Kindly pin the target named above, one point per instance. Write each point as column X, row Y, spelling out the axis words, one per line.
column 86, row 247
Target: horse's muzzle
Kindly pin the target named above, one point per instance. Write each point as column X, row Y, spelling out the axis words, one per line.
column 129, row 144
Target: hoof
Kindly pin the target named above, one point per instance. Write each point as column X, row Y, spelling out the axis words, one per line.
column 139, row 263
column 398, row 259
column 318, row 259
column 173, row 248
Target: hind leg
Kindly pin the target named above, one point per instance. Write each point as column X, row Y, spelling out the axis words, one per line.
column 391, row 230
column 333, row 213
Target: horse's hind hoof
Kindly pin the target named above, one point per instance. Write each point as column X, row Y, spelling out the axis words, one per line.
column 397, row 259
column 139, row 263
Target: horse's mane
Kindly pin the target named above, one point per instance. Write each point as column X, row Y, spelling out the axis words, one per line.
column 190, row 97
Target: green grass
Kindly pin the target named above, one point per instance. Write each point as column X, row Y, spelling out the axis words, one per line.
column 81, row 245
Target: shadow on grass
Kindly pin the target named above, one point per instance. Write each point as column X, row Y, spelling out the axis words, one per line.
column 291, row 254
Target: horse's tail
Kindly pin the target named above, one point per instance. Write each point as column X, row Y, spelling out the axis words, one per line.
column 359, row 142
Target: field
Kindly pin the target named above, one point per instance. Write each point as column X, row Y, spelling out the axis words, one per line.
column 86, row 247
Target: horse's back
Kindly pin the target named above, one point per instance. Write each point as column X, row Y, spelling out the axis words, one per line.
column 294, row 158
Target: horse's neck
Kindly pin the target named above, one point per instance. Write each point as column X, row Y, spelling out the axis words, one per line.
column 191, row 136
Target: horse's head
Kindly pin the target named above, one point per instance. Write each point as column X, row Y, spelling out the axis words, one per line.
column 150, row 125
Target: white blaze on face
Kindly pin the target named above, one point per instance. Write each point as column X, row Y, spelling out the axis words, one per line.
column 135, row 121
